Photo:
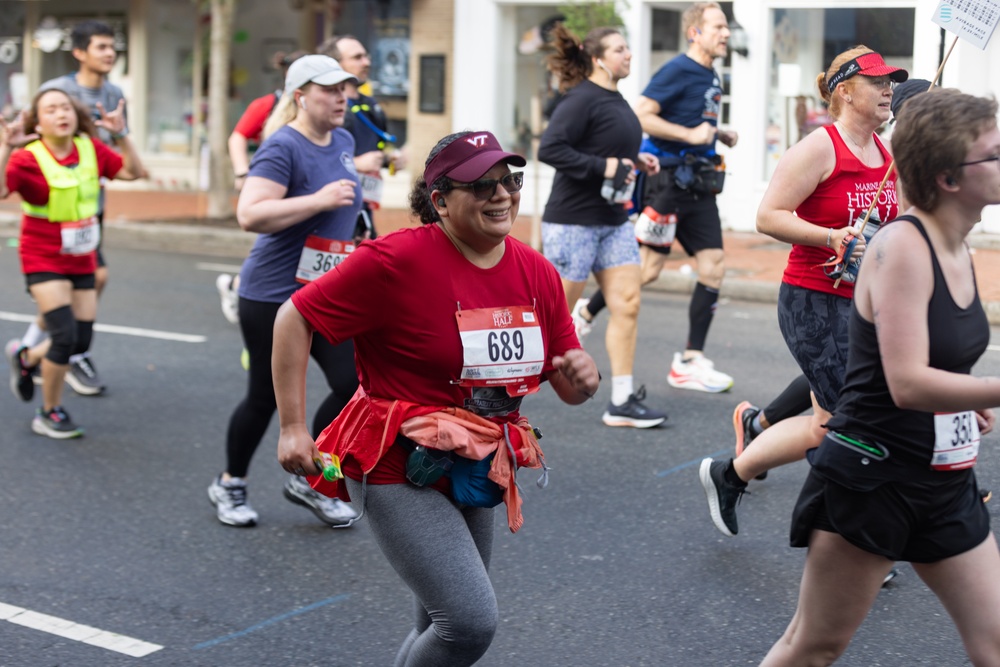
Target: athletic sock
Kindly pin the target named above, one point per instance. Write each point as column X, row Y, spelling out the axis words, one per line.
column 756, row 428
column 621, row 389
column 731, row 477
column 596, row 304
column 34, row 335
column 700, row 312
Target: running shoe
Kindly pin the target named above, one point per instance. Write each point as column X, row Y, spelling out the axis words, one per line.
column 580, row 323
column 82, row 377
column 743, row 418
column 723, row 497
column 633, row 413
column 20, row 374
column 228, row 298
column 697, row 374
column 36, row 375
column 892, row 574
column 332, row 511
column 230, row 500
column 55, row 423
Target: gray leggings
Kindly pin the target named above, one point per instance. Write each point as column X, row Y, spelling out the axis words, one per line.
column 442, row 552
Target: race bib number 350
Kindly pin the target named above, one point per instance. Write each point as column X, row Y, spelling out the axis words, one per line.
column 956, row 440
column 319, row 255
column 501, row 347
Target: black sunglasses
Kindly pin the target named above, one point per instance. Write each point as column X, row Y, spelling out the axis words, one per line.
column 995, row 158
column 485, row 188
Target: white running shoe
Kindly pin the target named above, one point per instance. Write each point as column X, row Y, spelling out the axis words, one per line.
column 698, row 374
column 583, row 327
column 230, row 500
column 331, row 511
column 228, row 298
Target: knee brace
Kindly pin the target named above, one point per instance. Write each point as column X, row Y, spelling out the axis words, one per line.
column 84, row 336
column 61, row 326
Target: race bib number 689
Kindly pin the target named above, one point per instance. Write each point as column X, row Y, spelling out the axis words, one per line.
column 501, row 347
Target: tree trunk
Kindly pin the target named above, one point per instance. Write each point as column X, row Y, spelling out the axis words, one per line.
column 220, row 189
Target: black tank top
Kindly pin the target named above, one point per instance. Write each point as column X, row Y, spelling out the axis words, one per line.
column 957, row 338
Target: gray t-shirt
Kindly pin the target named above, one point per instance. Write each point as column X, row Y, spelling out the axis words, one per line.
column 108, row 95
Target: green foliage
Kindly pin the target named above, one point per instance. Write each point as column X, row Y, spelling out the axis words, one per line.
column 582, row 17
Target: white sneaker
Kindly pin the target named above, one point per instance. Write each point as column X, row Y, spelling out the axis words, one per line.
column 230, row 500
column 228, row 298
column 582, row 326
column 332, row 511
column 698, row 374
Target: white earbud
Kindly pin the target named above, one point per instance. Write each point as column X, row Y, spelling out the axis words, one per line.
column 600, row 63
column 302, row 103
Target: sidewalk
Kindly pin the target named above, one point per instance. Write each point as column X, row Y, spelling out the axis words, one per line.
column 174, row 220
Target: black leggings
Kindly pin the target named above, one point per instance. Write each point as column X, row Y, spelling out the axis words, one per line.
column 253, row 415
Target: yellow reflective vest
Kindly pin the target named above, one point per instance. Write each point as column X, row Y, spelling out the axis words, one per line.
column 73, row 192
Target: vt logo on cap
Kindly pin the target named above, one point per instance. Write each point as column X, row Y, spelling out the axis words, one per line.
column 468, row 157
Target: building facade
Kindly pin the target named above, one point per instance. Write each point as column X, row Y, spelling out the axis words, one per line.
column 771, row 97
column 445, row 65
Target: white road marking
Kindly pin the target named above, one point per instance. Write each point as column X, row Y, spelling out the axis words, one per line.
column 85, row 634
column 115, row 329
column 218, row 268
column 993, row 348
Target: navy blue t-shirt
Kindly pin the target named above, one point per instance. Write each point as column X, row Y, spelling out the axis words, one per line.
column 288, row 158
column 688, row 94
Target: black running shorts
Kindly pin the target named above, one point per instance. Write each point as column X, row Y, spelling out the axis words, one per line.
column 917, row 522
column 698, row 224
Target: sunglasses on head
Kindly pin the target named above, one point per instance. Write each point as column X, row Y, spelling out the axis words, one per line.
column 485, row 188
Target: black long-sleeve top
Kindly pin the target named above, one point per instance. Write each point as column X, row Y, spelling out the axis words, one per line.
column 588, row 126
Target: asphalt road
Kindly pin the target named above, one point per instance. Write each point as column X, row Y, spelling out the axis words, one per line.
column 617, row 565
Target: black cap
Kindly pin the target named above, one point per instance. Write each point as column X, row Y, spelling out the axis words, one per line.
column 905, row 91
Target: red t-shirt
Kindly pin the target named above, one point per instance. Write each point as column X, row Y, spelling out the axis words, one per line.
column 41, row 240
column 251, row 123
column 397, row 298
column 837, row 202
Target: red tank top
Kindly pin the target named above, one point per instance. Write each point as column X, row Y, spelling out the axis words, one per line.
column 836, row 202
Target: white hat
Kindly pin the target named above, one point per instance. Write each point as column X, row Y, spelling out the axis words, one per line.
column 322, row 70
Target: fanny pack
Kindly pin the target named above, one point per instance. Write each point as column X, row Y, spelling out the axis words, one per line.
column 470, row 484
column 701, row 174
column 851, row 460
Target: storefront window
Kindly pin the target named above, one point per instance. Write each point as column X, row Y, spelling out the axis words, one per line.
column 803, row 43
column 13, row 87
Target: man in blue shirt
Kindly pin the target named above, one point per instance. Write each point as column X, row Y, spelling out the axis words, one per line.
column 367, row 123
column 679, row 110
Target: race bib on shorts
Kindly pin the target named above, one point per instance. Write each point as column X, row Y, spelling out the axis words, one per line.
column 956, row 440
column 658, row 232
column 319, row 255
column 371, row 189
column 501, row 347
column 81, row 237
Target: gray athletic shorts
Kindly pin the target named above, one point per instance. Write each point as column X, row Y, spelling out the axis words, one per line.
column 814, row 325
column 576, row 250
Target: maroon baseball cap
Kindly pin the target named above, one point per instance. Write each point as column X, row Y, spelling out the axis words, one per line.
column 867, row 64
column 467, row 158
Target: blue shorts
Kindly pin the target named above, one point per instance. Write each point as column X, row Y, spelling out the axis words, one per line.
column 576, row 250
